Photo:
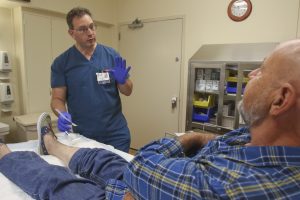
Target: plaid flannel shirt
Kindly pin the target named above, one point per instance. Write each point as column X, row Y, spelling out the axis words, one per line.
column 223, row 169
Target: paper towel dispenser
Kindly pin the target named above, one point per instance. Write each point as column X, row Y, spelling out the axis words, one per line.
column 4, row 61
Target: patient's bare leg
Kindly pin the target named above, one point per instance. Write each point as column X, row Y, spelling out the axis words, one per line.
column 61, row 151
column 48, row 143
column 3, row 150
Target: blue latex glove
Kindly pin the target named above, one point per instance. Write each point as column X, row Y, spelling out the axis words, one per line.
column 62, row 123
column 120, row 72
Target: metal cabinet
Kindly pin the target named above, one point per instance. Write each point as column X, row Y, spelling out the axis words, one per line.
column 218, row 74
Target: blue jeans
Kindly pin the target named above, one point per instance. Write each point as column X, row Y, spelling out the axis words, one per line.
column 44, row 181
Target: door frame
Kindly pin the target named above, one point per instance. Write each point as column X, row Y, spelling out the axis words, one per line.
column 181, row 100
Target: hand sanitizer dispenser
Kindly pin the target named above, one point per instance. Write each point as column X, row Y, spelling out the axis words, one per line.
column 4, row 61
column 6, row 95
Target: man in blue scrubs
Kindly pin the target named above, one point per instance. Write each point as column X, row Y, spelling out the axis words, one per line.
column 86, row 80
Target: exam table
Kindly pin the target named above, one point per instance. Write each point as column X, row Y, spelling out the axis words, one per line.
column 10, row 191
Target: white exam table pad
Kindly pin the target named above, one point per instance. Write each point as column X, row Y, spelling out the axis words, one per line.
column 10, row 191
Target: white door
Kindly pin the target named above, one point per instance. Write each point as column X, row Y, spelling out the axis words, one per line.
column 61, row 40
column 154, row 52
column 37, row 49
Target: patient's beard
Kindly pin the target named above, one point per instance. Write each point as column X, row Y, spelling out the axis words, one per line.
column 254, row 115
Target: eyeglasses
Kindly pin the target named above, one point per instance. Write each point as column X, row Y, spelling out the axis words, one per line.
column 85, row 29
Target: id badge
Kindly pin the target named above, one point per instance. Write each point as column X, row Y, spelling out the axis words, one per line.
column 103, row 78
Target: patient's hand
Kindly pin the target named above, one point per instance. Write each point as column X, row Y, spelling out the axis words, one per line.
column 192, row 142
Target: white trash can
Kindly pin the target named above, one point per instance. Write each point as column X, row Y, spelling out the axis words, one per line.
column 26, row 125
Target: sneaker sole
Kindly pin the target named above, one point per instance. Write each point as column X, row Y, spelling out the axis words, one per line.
column 40, row 123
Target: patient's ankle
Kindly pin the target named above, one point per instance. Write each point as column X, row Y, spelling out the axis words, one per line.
column 50, row 140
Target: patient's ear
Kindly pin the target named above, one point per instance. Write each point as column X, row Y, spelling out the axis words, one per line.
column 284, row 99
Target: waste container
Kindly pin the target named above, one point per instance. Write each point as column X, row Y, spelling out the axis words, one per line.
column 26, row 125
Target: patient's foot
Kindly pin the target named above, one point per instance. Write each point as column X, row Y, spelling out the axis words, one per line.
column 45, row 133
column 48, row 143
column 3, row 149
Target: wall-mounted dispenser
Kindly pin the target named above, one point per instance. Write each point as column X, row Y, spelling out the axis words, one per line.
column 6, row 93
column 6, row 97
column 4, row 61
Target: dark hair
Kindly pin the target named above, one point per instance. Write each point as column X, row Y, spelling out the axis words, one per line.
column 76, row 12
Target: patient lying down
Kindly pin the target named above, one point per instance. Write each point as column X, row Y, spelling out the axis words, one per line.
column 259, row 162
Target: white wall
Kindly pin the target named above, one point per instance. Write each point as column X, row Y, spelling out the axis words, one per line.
column 102, row 10
column 206, row 21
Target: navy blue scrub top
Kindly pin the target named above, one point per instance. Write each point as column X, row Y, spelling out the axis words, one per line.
column 96, row 108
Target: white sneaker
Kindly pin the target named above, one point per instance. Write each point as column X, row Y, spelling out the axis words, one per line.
column 44, row 127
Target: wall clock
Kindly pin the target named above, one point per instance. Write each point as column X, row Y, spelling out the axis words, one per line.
column 239, row 10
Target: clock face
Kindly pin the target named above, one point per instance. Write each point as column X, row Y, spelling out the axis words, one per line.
column 239, row 10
